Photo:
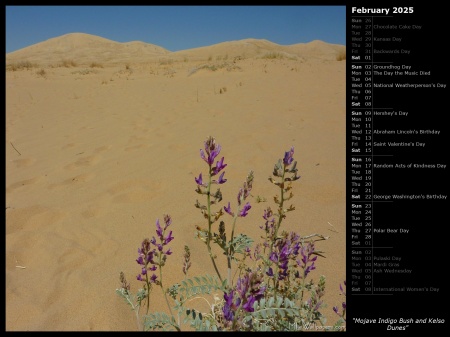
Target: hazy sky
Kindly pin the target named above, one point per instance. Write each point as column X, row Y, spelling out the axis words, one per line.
column 176, row 27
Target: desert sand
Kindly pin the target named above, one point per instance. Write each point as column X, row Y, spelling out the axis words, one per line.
column 103, row 138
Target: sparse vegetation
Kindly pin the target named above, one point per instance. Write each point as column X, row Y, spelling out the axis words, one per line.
column 41, row 73
column 341, row 56
column 21, row 65
column 96, row 65
column 279, row 56
column 85, row 71
column 164, row 62
column 220, row 57
column 215, row 67
column 68, row 63
column 273, row 55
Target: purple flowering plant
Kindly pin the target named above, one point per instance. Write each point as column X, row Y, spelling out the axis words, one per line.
column 274, row 289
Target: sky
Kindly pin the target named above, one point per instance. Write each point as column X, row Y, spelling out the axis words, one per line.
column 176, row 27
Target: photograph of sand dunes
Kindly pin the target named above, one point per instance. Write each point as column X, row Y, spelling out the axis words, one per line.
column 107, row 135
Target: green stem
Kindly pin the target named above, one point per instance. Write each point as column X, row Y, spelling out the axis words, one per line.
column 280, row 211
column 231, row 251
column 137, row 319
column 136, row 309
column 148, row 292
column 164, row 293
column 277, row 227
column 208, row 240
column 236, row 316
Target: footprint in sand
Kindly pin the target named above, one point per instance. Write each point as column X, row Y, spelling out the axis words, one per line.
column 25, row 162
column 31, row 218
column 134, row 191
column 141, row 127
column 136, row 147
column 83, row 162
column 22, row 184
column 102, row 148
column 68, row 146
column 142, row 143
column 73, row 181
column 93, row 212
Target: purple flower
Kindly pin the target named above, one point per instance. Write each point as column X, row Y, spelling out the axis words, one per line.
column 199, row 180
column 212, row 151
column 342, row 289
column 221, row 179
column 227, row 312
column 307, row 252
column 213, row 154
column 149, row 257
column 228, row 209
column 309, row 268
column 153, row 278
column 267, row 214
column 169, row 252
column 273, row 257
column 159, row 230
column 229, row 307
column 245, row 210
column 228, row 297
column 168, row 238
column 219, row 166
column 167, row 221
column 202, row 154
column 249, row 305
column 288, row 157
column 269, row 272
column 140, row 260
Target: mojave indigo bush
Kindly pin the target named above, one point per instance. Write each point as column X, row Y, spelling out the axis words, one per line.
column 273, row 289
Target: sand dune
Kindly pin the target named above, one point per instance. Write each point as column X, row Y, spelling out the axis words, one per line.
column 94, row 155
column 84, row 49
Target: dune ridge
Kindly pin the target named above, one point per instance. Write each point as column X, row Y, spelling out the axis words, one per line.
column 86, row 48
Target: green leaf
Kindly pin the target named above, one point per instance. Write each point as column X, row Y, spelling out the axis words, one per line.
column 240, row 243
column 159, row 320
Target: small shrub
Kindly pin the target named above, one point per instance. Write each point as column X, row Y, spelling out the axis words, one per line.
column 164, row 62
column 85, row 71
column 274, row 290
column 41, row 73
column 215, row 67
column 27, row 65
column 68, row 63
column 341, row 56
column 272, row 56
column 96, row 65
